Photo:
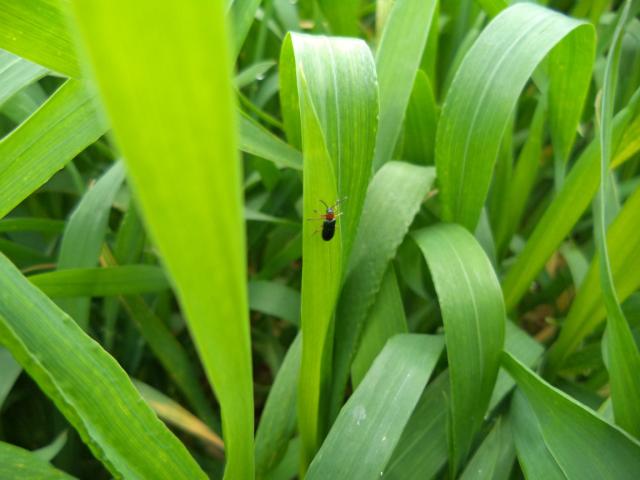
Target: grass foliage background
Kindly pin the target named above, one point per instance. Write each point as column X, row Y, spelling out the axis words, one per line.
column 168, row 308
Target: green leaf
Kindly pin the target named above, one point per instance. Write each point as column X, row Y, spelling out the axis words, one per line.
column 623, row 355
column 275, row 299
column 45, row 40
column 494, row 458
column 519, row 344
column 255, row 216
column 174, row 414
column 101, row 282
column 536, row 460
column 49, row 452
column 343, row 16
column 10, row 371
column 171, row 354
column 591, row 448
column 588, row 309
column 37, row 30
column 16, row 73
column 19, row 464
column 328, row 94
column 186, row 175
column 41, row 146
column 121, row 431
column 20, row 224
column 250, row 74
column 385, row 320
column 484, row 93
column 422, row 450
column 629, row 144
column 523, row 179
column 256, row 140
column 84, row 234
column 397, row 61
column 474, row 323
column 493, row 7
column 420, row 122
column 371, row 422
column 242, row 13
column 278, row 421
column 393, row 199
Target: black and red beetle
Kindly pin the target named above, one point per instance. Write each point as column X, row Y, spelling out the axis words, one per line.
column 329, row 219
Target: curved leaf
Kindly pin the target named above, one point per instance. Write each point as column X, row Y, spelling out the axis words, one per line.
column 474, row 324
column 484, row 93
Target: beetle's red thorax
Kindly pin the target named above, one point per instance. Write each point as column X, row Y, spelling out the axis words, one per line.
column 330, row 216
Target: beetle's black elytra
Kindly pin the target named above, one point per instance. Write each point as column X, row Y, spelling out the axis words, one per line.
column 328, row 229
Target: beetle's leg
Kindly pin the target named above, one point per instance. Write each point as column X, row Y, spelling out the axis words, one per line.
column 339, row 201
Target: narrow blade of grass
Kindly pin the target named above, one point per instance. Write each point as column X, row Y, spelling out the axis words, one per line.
column 623, row 354
column 421, row 122
column 101, row 282
column 16, row 73
column 10, row 372
column 21, row 224
column 278, row 421
column 588, row 309
column 562, row 214
column 84, row 234
column 397, row 60
column 174, row 414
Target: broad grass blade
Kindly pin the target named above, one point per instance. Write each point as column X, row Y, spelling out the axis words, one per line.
column 186, row 175
column 474, row 323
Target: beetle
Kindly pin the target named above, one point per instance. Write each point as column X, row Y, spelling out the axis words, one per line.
column 329, row 219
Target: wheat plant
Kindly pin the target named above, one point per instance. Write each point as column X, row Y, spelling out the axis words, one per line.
column 321, row 239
